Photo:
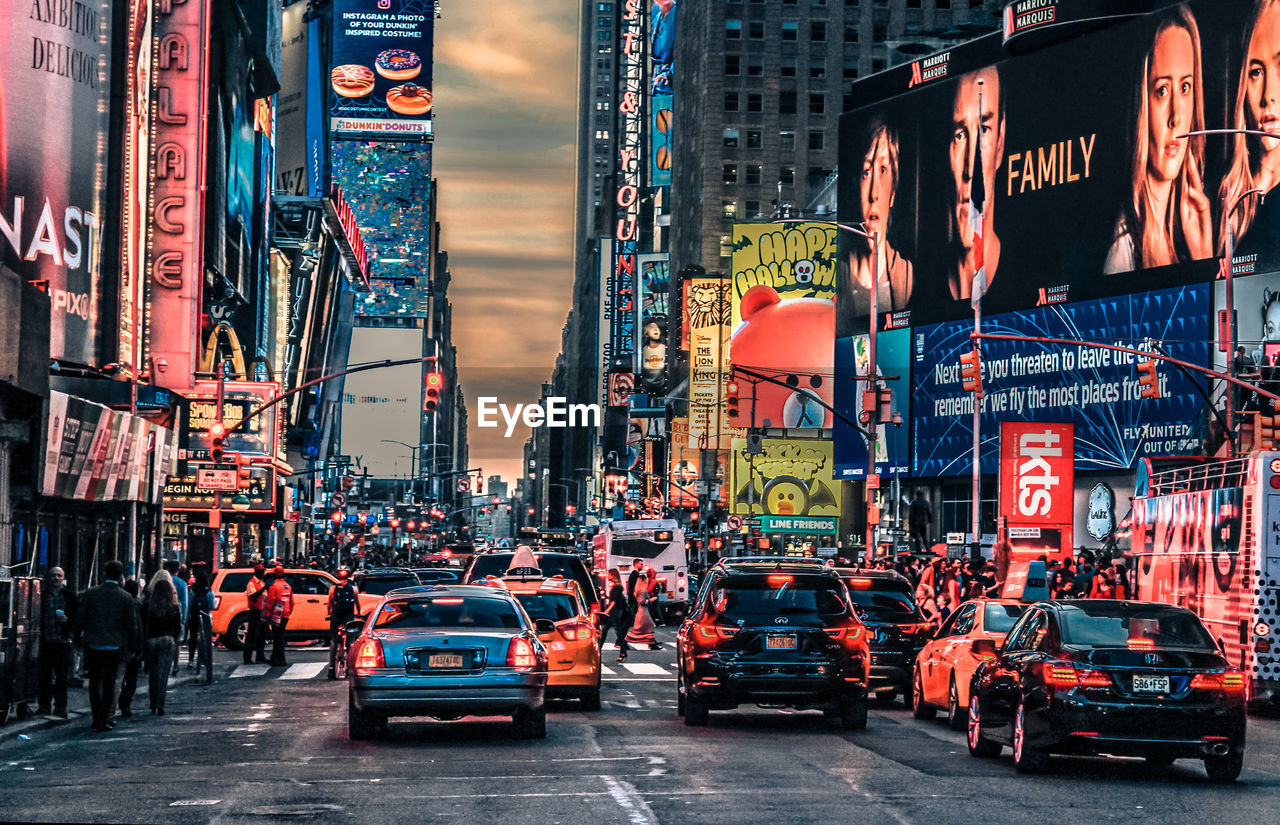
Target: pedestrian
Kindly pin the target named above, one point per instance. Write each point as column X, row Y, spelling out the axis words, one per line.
column 276, row 607
column 1084, row 574
column 133, row 658
column 255, row 639
column 161, row 621
column 642, row 628
column 108, row 633
column 614, row 613
column 637, row 570
column 1121, row 580
column 920, row 517
column 178, row 580
column 927, row 593
column 343, row 606
column 58, row 610
column 199, row 617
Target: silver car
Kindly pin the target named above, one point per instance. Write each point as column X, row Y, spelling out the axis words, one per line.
column 447, row 651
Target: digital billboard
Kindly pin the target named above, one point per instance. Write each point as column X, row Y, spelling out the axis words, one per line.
column 893, row 365
column 662, row 55
column 788, row 485
column 654, row 283
column 381, row 76
column 1061, row 175
column 1097, row 390
column 783, row 315
column 55, row 72
column 381, row 407
column 707, row 316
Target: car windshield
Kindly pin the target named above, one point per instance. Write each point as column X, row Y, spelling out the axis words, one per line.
column 571, row 567
column 426, row 576
column 884, row 605
column 1001, row 617
column 382, row 585
column 1138, row 626
column 448, row 612
column 554, row 606
column 768, row 597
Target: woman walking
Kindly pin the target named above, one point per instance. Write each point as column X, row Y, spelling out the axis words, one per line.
column 614, row 612
column 642, row 629
column 161, row 624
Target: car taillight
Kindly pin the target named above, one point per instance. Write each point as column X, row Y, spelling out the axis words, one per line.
column 1142, row 644
column 715, row 631
column 521, row 654
column 369, row 655
column 851, row 634
column 1094, row 678
column 576, row 631
column 217, row 602
column 1229, row 681
column 1067, row 675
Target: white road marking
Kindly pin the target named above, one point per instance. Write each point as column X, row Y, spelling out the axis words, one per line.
column 607, row 671
column 305, row 670
column 637, row 810
column 646, row 669
column 249, row 670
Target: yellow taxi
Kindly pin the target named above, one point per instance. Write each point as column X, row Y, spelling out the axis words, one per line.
column 970, row 635
column 574, row 646
column 310, row 604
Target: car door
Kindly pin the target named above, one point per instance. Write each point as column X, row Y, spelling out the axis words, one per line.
column 310, row 592
column 1000, row 690
column 933, row 656
column 955, row 646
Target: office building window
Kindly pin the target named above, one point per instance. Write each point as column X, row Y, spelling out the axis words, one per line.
column 756, row 29
column 730, row 173
column 817, row 104
column 755, row 102
column 729, row 209
column 818, row 68
column 816, row 140
column 788, row 68
column 753, row 139
column 731, row 138
column 851, row 34
column 731, row 101
column 753, row 209
column 733, row 29
column 787, row 175
column 790, row 30
column 755, row 66
column 817, row 31
column 603, row 134
column 851, row 68
column 787, row 103
column 604, row 36
column 877, row 64
column 732, row 64
column 753, row 175
column 787, row 140
column 817, row 173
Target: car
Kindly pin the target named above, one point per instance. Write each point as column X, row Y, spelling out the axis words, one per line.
column 969, row 636
column 379, row 581
column 549, row 564
column 574, row 643
column 448, row 651
column 773, row 634
column 1109, row 677
column 310, row 604
column 886, row 603
column 431, row 575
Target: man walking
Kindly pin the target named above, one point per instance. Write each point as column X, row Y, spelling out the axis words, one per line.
column 343, row 605
column 255, row 640
column 637, row 574
column 277, row 604
column 110, row 631
column 57, row 634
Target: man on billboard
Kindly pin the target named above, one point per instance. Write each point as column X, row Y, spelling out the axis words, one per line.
column 977, row 151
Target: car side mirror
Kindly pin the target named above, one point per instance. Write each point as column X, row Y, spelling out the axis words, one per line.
column 353, row 629
column 985, row 649
column 544, row 626
column 1222, row 646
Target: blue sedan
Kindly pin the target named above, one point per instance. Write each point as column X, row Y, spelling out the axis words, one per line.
column 447, row 652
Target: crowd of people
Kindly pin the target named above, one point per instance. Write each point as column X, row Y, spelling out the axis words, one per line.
column 629, row 611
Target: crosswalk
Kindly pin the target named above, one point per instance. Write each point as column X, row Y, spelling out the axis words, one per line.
column 301, row 671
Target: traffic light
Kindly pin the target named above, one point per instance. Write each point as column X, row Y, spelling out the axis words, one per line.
column 337, row 517
column 1266, row 433
column 217, row 432
column 434, row 383
column 243, row 477
column 348, row 482
column 1147, row 378
column 971, row 371
column 570, row 510
column 731, row 398
column 479, row 482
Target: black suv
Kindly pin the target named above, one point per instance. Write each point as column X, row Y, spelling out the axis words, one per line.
column 774, row 635
column 551, row 564
column 886, row 603
column 379, row 581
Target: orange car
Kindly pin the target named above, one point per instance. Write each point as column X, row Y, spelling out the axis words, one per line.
column 310, row 603
column 574, row 646
column 943, row 669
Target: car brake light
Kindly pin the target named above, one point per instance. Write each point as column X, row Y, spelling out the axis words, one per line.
column 1094, row 678
column 851, row 634
column 1231, row 680
column 1141, row 644
column 858, row 584
column 520, row 654
column 712, row 631
column 779, row 581
column 575, row 631
column 446, row 601
column 370, row 655
column 1063, row 675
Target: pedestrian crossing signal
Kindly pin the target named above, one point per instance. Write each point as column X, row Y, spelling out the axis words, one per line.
column 1147, row 378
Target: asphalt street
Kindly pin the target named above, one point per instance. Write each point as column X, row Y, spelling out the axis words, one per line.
column 263, row 745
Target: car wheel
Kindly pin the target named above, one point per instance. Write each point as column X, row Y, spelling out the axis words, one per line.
column 920, row 709
column 237, row 633
column 360, row 723
column 697, row 714
column 979, row 745
column 886, row 697
column 1224, row 769
column 591, row 699
column 853, row 714
column 679, row 695
column 530, row 724
column 1026, row 757
column 955, row 713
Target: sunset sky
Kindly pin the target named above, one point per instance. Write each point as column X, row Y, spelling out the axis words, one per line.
column 505, row 93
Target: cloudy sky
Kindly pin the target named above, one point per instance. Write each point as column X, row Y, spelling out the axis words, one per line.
column 505, row 91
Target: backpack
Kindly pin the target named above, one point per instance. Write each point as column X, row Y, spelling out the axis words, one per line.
column 344, row 600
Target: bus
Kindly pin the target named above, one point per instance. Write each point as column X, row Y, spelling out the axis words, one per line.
column 660, row 544
column 1207, row 537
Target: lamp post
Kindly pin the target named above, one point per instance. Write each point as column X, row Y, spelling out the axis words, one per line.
column 413, row 461
column 1229, row 248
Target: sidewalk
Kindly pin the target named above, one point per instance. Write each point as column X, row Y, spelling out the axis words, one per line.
column 78, row 711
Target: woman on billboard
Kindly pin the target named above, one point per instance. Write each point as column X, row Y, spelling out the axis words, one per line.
column 1168, row 219
column 877, row 187
column 1255, row 162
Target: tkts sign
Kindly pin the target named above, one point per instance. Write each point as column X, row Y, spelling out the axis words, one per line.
column 1037, row 475
column 173, row 261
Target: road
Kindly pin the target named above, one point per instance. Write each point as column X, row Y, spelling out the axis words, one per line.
column 258, row 747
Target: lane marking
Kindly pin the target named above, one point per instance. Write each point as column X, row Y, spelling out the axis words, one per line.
column 249, row 670
column 647, row 669
column 637, row 810
column 607, row 671
column 305, row 670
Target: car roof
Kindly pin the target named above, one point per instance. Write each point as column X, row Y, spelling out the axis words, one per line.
column 873, row 575
column 385, row 572
column 735, row 560
column 764, row 568
column 466, row 590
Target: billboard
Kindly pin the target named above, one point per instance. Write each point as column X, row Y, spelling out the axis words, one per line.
column 1037, row 477
column 789, row 485
column 383, row 406
column 662, row 56
column 707, row 316
column 654, row 282
column 1063, row 174
column 783, row 286
column 381, row 77
column 54, row 89
column 893, row 365
column 260, row 435
column 1096, row 390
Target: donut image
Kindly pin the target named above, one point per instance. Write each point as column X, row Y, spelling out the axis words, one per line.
column 352, row 80
column 398, row 64
column 409, row 99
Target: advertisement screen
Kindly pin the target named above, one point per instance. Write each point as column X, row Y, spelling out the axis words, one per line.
column 54, row 85
column 383, row 406
column 381, row 76
column 707, row 317
column 654, row 283
column 1097, row 390
column 1065, row 174
column 783, row 316
column 893, row 365
column 788, row 484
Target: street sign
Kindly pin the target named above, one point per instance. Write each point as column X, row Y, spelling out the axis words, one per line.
column 956, row 538
column 826, row 552
column 1024, row 532
column 219, row 478
column 464, row 485
column 338, row 499
column 735, row 522
column 752, row 522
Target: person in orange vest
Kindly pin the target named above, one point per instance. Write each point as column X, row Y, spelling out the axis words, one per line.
column 255, row 640
column 277, row 604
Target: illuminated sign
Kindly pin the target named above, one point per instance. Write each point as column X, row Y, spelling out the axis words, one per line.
column 174, row 260
column 351, row 229
column 707, row 318
column 260, row 434
column 381, row 74
column 137, row 153
column 1037, row 472
column 631, row 66
column 790, row 478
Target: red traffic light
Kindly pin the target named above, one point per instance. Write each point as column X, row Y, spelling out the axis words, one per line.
column 434, row 383
column 1148, row 379
column 217, row 429
column 971, row 370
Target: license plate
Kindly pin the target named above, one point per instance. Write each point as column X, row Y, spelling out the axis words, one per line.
column 780, row 643
column 1150, row 684
column 444, row 660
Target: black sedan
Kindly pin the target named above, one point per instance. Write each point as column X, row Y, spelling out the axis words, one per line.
column 1102, row 676
column 886, row 603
